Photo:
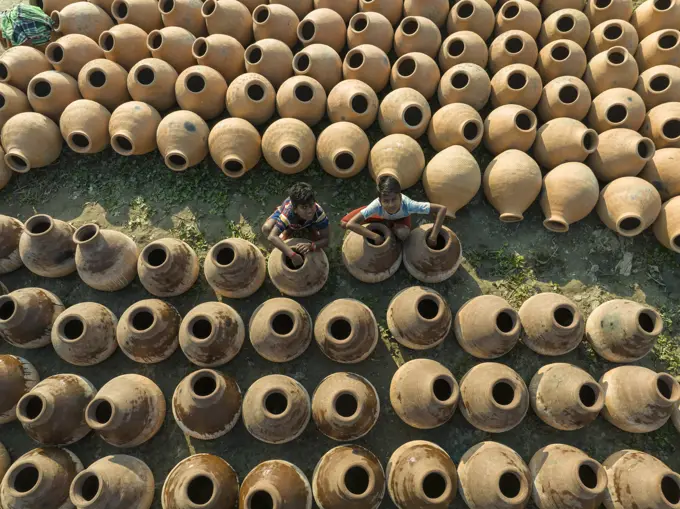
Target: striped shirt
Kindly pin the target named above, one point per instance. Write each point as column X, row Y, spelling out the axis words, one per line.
column 286, row 219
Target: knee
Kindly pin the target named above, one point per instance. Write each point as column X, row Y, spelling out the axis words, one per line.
column 402, row 233
column 266, row 229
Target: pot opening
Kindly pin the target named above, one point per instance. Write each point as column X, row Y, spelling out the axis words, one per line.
column 42, row 88
column 176, row 162
column 671, row 129
column 556, row 225
column 456, row 48
column 307, row 30
column 505, row 322
column 665, row 384
column 2, row 100
column 588, row 476
column 442, row 389
column 261, row 13
column 359, row 103
column 514, row 45
column 413, row 116
column 428, row 308
column 156, row 256
column 406, row 67
column 290, row 155
column 565, row 23
column 560, row 52
column 460, row 80
column 668, row 41
column 660, row 83
column 616, row 113
column 31, row 407
column 304, row 93
column 510, row 484
column 121, row 143
column 503, row 393
column 204, row 385
column 511, row 11
column 564, row 316
column 39, row 225
column 341, row 329
column 645, row 148
column 588, row 394
column 283, row 324
column 106, row 41
column 167, row 5
column 301, row 63
column 97, row 79
column 517, row 80
column 630, row 224
column 155, row 40
column 676, row 242
column 145, row 75
column 616, row 57
column 208, row 7
column 253, row 54
column 26, row 478
column 195, row 83
column 55, row 54
column 142, row 320
column 568, row 94
column 276, row 403
column 357, row 480
column 7, row 309
column 355, row 60
column 120, row 10
column 346, row 405
column 89, row 488
column 670, row 489
column 613, row 32
column 56, row 21
column 662, row 5
column 601, row 4
column 103, row 411
column 200, row 47
column 434, row 485
column 344, row 161
column 590, row 141
column 201, row 328
column 79, row 141
column 73, row 328
column 261, row 500
column 465, row 10
column 224, row 256
column 200, row 490
column 524, row 122
column 3, row 72
column 443, row 237
column 359, row 23
column 255, row 91
column 410, row 26
column 289, row 262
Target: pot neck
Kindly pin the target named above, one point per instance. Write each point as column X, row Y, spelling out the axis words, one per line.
column 206, row 388
column 35, row 408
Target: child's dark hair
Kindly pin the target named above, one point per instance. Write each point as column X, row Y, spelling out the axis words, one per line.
column 301, row 193
column 388, row 185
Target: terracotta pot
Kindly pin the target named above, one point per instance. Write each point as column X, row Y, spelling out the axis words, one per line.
column 434, row 10
column 368, row 64
column 320, row 62
column 610, row 34
column 662, row 125
column 512, row 182
column 566, row 96
column 280, row 330
column 235, row 268
column 140, row 13
column 302, row 281
column 620, row 153
column 206, row 404
column 353, row 101
column 31, row 140
column 512, row 47
column 637, row 399
column 432, row 264
column 509, row 127
column 519, row 15
column 147, row 331
column 601, row 11
column 211, row 334
column 658, row 85
column 323, row 26
column 342, row 149
column 369, row 262
column 10, row 233
column 636, row 478
column 399, row 156
column 51, row 5
column 547, row 7
column 278, row 484
column 417, row 34
column 465, row 83
column 487, row 327
column 200, row 480
column 14, row 101
column 289, row 145
column 569, row 24
column 628, row 205
column 424, row 394
column 570, row 193
column 202, row 90
column 70, row 53
column 300, row 7
column 81, row 18
column 182, row 139
column 346, row 331
column 50, row 92
column 302, row 98
column 275, row 22
column 17, row 377
column 565, row 476
column 105, row 82
column 667, row 225
column 251, row 97
column 84, row 125
column 370, row 28
column 563, row 140
column 152, row 81
column 391, row 9
column 227, row 17
column 5, row 460
column 452, row 178
column 173, row 45
column 276, row 410
column 404, row 111
column 659, row 48
column 346, row 8
column 419, row 318
column 655, row 15
column 252, row 4
column 189, row 14
column 127, row 411
column 416, row 71
column 659, row 171
column 455, row 124
column 516, row 84
column 235, row 146
column 270, row 58
column 133, row 128
column 40, row 478
column 167, row 267
column 46, row 247
column 561, row 58
column 552, row 324
column 345, row 407
column 463, row 47
column 472, row 15
column 221, row 52
column 614, row 68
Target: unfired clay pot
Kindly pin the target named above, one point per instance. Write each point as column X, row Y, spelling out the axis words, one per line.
column 519, row 15
column 552, row 324
column 276, row 410
column 421, row 473
column 658, row 85
column 19, row 64
column 346, row 331
column 275, row 21
column 147, row 331
column 370, row 28
column 30, row 140
column 455, row 124
column 569, row 24
column 186, row 14
column 570, row 193
column 563, row 140
column 105, row 82
column 342, row 149
column 280, row 329
column 235, row 268
column 302, row 98
column 370, row 262
column 598, row 12
column 614, row 68
column 472, row 15
column 167, row 267
column 81, row 18
column 50, row 92
column 346, row 8
column 637, row 399
column 617, row 107
column 391, row 9
column 659, row 171
column 652, row 16
column 70, row 53
column 125, row 44
column 463, row 47
column 662, row 125
column 562, row 57
column 133, row 127
column 417, row 33
column 417, row 71
column 353, row 101
column 152, row 81
column 85, row 334
column 513, row 47
column 203, row 480
column 202, row 90
column 419, row 318
column 17, row 377
column 487, row 327
column 620, row 153
column 270, row 58
column 320, row 62
column 289, row 145
column 667, row 225
column 509, row 127
column 46, row 246
column 512, row 182
column 13, row 101
column 301, row 281
column 252, row 98
column 227, row 17
column 221, row 52
column 84, row 125
column 369, row 64
column 628, row 205
column 611, row 33
column 127, row 411
column 345, row 406
column 404, row 111
column 10, row 234
column 452, row 178
column 465, row 83
column 432, row 264
column 27, row 316
column 182, row 139
column 278, row 484
column 516, row 84
column 137, row 13
column 659, row 48
column 323, row 26
column 435, row 10
column 206, row 404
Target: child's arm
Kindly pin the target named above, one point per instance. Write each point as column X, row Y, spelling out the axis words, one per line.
column 355, row 226
column 324, row 241
column 285, row 248
column 440, row 210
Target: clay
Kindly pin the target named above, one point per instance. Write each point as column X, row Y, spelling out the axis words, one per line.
column 345, row 407
column 270, row 58
column 452, row 178
column 167, row 267
column 512, row 182
column 70, row 53
column 516, row 84
column 252, row 98
column 667, row 225
column 31, row 140
column 509, row 127
column 419, row 318
column 610, row 34
column 654, row 15
column 302, row 281
column 202, row 90
column 211, row 334
column 416, row 71
column 152, row 81
column 83, row 18
column 346, row 8
column 280, row 329
column 487, row 327
column 13, row 101
column 565, row 476
column 463, row 47
column 391, row 9
column 599, row 11
column 182, row 139
column 221, row 52
column 620, row 153
column 206, row 404
column 629, row 205
column 549, row 6
column 614, row 68
column 570, row 193
column 404, row 111
column 147, row 331
column 512, row 47
column 552, row 324
column 342, row 149
column 561, row 58
column 289, row 145
column 300, row 7
column 433, row 264
column 637, row 399
column 563, row 140
column 370, row 28
column 434, row 10
column 320, row 62
column 133, row 128
column 19, row 64
column 323, row 26
column 276, row 410
column 658, row 85
column 10, row 233
column 140, row 13
column 353, row 101
column 421, row 473
column 568, row 24
column 566, row 96
column 50, row 92
column 370, row 262
column 662, row 125
column 278, row 484
column 84, row 125
column 659, row 171
column 368, row 64
column 234, row 268
column 46, row 247
column 127, row 411
column 399, row 156
column 275, row 22
column 105, row 82
column 187, row 14
column 465, row 83
column 235, row 147
column 17, row 377
column 455, row 124
column 519, row 15
column 659, row 48
column 417, row 34
column 302, row 98
column 346, row 331
column 201, row 480
column 228, row 17
column 472, row 15
column 173, row 45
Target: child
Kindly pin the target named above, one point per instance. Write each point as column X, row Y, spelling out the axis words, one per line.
column 394, row 209
column 298, row 215
column 25, row 25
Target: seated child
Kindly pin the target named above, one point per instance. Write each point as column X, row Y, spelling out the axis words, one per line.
column 394, row 209
column 299, row 215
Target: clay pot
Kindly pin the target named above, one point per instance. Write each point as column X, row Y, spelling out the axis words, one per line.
column 280, row 330
column 84, row 125
column 565, row 476
column 323, row 26
column 353, row 101
column 370, row 262
column 463, row 48
column 561, row 58
column 206, row 404
column 31, row 140
column 133, row 127
column 302, row 281
column 345, row 407
column 201, row 89
column 552, row 324
column 563, row 140
column 659, row 171
column 302, row 98
column 300, row 7
column 289, row 145
column 620, row 153
column 50, row 92
column 40, row 478
column 235, row 268
column 10, row 233
column 221, row 52
column 140, row 13
column 17, row 377
column 455, row 124
column 416, row 71
column 346, row 8
column 610, row 34
column 417, row 34
column 628, row 205
column 275, row 22
column 320, row 62
column 127, row 411
column 391, row 9
column 433, row 264
column 19, row 64
column 342, row 149
column 278, row 484
column 13, row 101
column 399, row 156
column 70, row 53
column 568, row 24
column 368, row 64
column 200, row 480
column 147, row 331
column 655, row 15
column 472, row 15
column 604, row 10
column 424, row 394
column 126, row 44
column 667, row 225
column 465, row 83
column 167, row 267
column 235, row 146
column 614, row 68
column 152, row 81
column 519, row 15
column 637, row 399
column 452, row 178
column 346, row 331
column 512, row 182
column 189, row 14
column 566, row 96
column 636, row 478
column 658, row 85
column 434, row 10
column 270, row 58
column 81, row 18
column 404, row 111
column 512, row 47
column 46, row 247
column 419, row 318
column 173, row 45
column 487, row 327
column 659, row 48
column 420, row 473
column 105, row 82
column 370, row 28
column 251, row 97
column 516, row 84
column 228, row 17
column 570, row 193
column 182, row 139
column 662, row 125
column 509, row 127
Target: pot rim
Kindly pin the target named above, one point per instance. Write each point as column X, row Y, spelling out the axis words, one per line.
column 14, row 472
column 64, row 319
column 371, row 481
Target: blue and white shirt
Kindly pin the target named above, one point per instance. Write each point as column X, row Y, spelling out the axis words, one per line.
column 408, row 207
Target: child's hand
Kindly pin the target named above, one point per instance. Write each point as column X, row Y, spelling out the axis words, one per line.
column 302, row 248
column 297, row 259
column 377, row 239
